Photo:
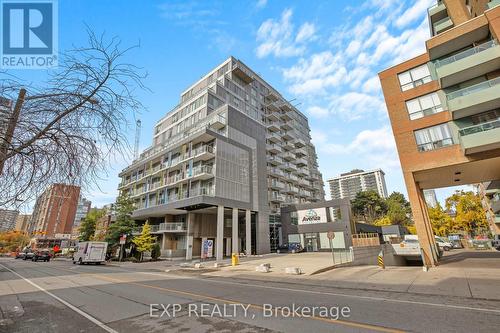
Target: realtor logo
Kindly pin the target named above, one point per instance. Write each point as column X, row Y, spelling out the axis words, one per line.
column 29, row 34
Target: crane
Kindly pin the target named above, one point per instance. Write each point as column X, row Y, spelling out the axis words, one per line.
column 137, row 138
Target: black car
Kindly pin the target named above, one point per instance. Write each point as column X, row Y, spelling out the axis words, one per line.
column 41, row 255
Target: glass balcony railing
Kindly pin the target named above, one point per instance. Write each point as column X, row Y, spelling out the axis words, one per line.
column 435, row 144
column 473, row 89
column 466, row 53
column 480, row 127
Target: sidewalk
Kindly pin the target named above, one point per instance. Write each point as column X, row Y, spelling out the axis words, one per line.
column 461, row 274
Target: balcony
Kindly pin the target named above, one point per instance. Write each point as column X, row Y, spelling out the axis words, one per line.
column 468, row 64
column 276, row 185
column 218, row 122
column 275, row 197
column 286, row 126
column 273, row 126
column 493, row 3
column 475, row 99
column 169, row 227
column 300, row 152
column 288, row 156
column 438, row 9
column 273, row 148
column 300, row 162
column 288, row 145
column 242, row 72
column 288, row 135
column 275, row 172
column 204, row 172
column 442, row 25
column 275, row 160
column 288, row 166
column 272, row 116
column 481, row 137
column 273, row 137
column 203, row 153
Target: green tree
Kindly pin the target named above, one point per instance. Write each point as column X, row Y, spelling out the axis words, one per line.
column 441, row 222
column 469, row 213
column 124, row 223
column 398, row 209
column 87, row 228
column 369, row 206
column 145, row 241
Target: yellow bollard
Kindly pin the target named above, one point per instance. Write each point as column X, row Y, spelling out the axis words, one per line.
column 235, row 260
column 380, row 260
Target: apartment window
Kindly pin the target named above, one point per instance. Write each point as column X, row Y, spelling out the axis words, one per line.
column 433, row 137
column 414, row 77
column 424, row 106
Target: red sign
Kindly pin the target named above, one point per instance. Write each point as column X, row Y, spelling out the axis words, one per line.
column 56, row 248
column 123, row 239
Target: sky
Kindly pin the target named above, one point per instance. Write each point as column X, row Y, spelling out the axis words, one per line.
column 323, row 54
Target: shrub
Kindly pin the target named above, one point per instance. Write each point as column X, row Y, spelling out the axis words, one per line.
column 155, row 251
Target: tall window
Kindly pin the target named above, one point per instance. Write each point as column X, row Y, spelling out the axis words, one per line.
column 433, row 137
column 424, row 106
column 414, row 77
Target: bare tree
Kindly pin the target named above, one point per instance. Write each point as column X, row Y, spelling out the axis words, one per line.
column 69, row 126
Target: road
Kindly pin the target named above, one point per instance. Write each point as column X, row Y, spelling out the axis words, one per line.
column 61, row 297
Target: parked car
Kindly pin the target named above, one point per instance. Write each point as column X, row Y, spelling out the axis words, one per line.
column 19, row 255
column 443, row 244
column 295, row 248
column 43, row 255
column 495, row 243
column 28, row 254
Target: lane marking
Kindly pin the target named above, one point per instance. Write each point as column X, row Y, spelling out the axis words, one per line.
column 72, row 307
column 255, row 306
column 372, row 298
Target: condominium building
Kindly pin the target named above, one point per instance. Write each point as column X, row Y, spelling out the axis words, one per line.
column 82, row 209
column 54, row 211
column 23, row 222
column 8, row 219
column 222, row 164
column 430, row 198
column 444, row 106
column 348, row 184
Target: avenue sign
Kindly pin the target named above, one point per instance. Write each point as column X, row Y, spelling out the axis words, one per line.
column 310, row 216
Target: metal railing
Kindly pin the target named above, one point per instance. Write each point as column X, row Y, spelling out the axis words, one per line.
column 474, row 88
column 466, row 53
column 435, row 144
column 176, row 226
column 483, row 127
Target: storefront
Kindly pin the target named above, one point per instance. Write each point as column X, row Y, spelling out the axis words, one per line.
column 312, row 224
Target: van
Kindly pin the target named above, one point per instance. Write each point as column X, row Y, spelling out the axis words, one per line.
column 90, row 252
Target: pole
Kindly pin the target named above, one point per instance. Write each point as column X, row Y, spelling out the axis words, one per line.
column 9, row 133
column 333, row 253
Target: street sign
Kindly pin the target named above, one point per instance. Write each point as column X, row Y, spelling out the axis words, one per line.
column 330, row 235
column 208, row 246
column 123, row 239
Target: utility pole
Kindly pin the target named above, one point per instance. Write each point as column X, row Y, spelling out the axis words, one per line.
column 137, row 138
column 9, row 133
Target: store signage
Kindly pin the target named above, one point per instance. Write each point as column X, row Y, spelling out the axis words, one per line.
column 311, row 216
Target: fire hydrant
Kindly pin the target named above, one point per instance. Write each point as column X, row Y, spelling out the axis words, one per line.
column 235, row 260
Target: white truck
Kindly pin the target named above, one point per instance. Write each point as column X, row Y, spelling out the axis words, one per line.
column 90, row 252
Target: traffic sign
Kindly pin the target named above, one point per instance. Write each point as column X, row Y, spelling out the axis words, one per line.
column 330, row 235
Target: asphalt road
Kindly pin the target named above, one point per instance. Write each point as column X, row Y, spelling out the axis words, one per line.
column 61, row 297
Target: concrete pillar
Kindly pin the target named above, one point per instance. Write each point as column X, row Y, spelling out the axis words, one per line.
column 202, row 242
column 422, row 221
column 189, row 236
column 228, row 246
column 235, row 247
column 220, row 233
column 248, row 232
